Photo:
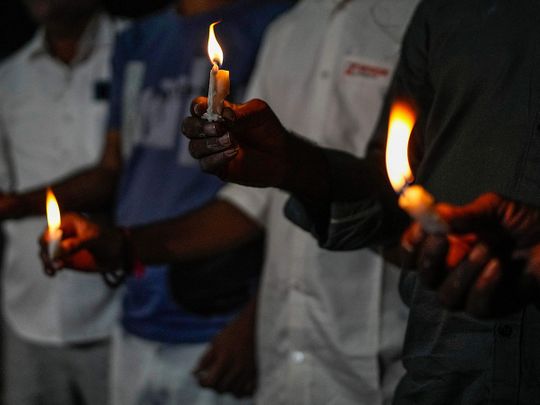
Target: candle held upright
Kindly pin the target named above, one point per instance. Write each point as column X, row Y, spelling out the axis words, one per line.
column 219, row 83
column 413, row 199
column 53, row 225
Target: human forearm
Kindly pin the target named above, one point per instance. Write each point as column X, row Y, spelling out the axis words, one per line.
column 214, row 228
column 89, row 190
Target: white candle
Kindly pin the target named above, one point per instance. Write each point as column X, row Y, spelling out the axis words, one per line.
column 420, row 205
column 219, row 83
column 54, row 233
column 414, row 199
column 55, row 236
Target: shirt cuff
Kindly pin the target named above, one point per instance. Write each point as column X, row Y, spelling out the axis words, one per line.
column 345, row 226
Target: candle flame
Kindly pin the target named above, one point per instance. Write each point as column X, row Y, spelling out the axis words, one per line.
column 53, row 212
column 402, row 119
column 215, row 53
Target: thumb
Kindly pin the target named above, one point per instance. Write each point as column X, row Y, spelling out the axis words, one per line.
column 251, row 114
column 205, row 361
column 199, row 106
column 479, row 215
column 71, row 246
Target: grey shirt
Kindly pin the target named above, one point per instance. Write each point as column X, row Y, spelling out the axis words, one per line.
column 473, row 69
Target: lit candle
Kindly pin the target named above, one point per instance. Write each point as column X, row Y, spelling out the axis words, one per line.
column 219, row 84
column 414, row 199
column 54, row 232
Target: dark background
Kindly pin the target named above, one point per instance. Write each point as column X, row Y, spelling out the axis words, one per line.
column 16, row 27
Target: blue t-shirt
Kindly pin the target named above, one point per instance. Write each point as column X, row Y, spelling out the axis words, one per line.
column 159, row 65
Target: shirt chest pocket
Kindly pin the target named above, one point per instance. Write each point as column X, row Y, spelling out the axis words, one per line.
column 48, row 136
column 361, row 86
column 20, row 115
column 364, row 78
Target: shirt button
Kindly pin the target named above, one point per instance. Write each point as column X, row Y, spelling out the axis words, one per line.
column 297, row 357
column 505, row 331
column 325, row 74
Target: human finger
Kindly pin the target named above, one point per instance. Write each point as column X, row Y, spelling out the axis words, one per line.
column 216, row 162
column 456, row 287
column 204, row 362
column 228, row 382
column 410, row 245
column 199, row 148
column 481, row 297
column 199, row 106
column 432, row 260
column 473, row 217
column 194, row 128
column 212, row 374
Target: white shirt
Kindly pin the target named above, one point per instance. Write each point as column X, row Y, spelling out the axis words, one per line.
column 331, row 324
column 51, row 124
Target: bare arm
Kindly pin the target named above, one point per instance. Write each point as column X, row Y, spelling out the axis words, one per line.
column 229, row 365
column 214, row 228
column 88, row 190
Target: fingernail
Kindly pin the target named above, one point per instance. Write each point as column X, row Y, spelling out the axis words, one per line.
column 407, row 246
column 225, row 140
column 479, row 253
column 231, row 152
column 219, row 143
column 210, row 129
column 491, row 269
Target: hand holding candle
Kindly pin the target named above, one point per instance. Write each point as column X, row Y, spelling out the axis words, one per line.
column 414, row 199
column 54, row 233
column 219, row 84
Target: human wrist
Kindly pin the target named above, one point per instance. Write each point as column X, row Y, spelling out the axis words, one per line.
column 127, row 262
column 130, row 261
column 14, row 206
column 306, row 170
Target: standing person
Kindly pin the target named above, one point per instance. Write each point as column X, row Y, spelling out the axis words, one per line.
column 330, row 325
column 469, row 68
column 159, row 64
column 53, row 103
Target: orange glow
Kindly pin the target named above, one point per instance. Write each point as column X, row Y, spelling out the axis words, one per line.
column 53, row 212
column 215, row 53
column 402, row 119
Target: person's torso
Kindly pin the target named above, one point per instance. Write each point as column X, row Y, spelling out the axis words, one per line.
column 53, row 118
column 481, row 135
column 322, row 315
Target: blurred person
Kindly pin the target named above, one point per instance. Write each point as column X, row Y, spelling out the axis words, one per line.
column 53, row 101
column 159, row 64
column 330, row 325
column 468, row 68
column 135, row 8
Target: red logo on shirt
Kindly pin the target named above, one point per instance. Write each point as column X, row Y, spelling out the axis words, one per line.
column 361, row 69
